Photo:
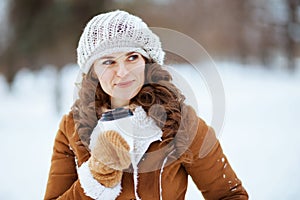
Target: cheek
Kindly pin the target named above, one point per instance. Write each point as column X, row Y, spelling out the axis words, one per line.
column 140, row 72
column 142, row 75
column 104, row 76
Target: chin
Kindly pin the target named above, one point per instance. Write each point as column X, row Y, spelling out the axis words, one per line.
column 127, row 95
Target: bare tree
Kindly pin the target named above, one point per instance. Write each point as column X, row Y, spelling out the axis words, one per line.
column 293, row 23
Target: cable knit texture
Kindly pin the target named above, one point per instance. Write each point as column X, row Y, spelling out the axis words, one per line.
column 117, row 31
column 103, row 174
column 109, row 157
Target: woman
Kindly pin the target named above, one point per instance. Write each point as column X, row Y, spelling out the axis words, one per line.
column 121, row 63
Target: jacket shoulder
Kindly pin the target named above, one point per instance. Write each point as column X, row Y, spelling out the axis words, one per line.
column 67, row 124
column 198, row 137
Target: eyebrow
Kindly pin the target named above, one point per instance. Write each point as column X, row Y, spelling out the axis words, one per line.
column 112, row 57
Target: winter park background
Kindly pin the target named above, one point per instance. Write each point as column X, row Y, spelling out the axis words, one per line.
column 261, row 132
column 260, row 135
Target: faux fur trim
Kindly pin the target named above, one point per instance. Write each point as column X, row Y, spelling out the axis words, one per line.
column 135, row 180
column 93, row 188
column 161, row 173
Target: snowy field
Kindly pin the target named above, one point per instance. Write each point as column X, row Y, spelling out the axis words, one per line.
column 261, row 133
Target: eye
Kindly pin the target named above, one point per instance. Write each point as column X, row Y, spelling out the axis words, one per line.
column 108, row 62
column 133, row 57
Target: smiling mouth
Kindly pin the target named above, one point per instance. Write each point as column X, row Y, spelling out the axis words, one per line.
column 124, row 84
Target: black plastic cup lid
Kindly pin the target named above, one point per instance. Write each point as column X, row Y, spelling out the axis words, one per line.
column 116, row 113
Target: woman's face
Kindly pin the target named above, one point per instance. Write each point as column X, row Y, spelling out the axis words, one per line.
column 121, row 76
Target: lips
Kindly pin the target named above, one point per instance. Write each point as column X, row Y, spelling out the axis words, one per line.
column 124, row 84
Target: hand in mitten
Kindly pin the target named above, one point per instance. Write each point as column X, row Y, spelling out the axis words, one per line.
column 139, row 130
column 109, row 157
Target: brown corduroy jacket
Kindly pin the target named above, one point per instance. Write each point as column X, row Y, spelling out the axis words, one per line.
column 211, row 173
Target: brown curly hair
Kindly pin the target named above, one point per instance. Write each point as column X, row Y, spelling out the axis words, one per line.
column 159, row 97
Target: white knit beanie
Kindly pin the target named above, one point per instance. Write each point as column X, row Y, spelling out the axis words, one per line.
column 117, row 31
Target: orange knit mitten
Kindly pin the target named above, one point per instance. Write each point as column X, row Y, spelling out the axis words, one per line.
column 109, row 157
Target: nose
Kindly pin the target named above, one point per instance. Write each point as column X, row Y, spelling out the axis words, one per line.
column 122, row 69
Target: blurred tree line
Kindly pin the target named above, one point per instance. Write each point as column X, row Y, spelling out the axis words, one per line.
column 44, row 32
column 47, row 31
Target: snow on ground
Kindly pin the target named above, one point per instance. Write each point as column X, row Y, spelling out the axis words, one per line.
column 261, row 133
column 260, row 136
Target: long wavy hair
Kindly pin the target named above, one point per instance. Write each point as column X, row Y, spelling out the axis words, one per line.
column 159, row 97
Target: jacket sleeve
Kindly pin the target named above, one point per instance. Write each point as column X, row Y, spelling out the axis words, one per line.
column 64, row 183
column 210, row 169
